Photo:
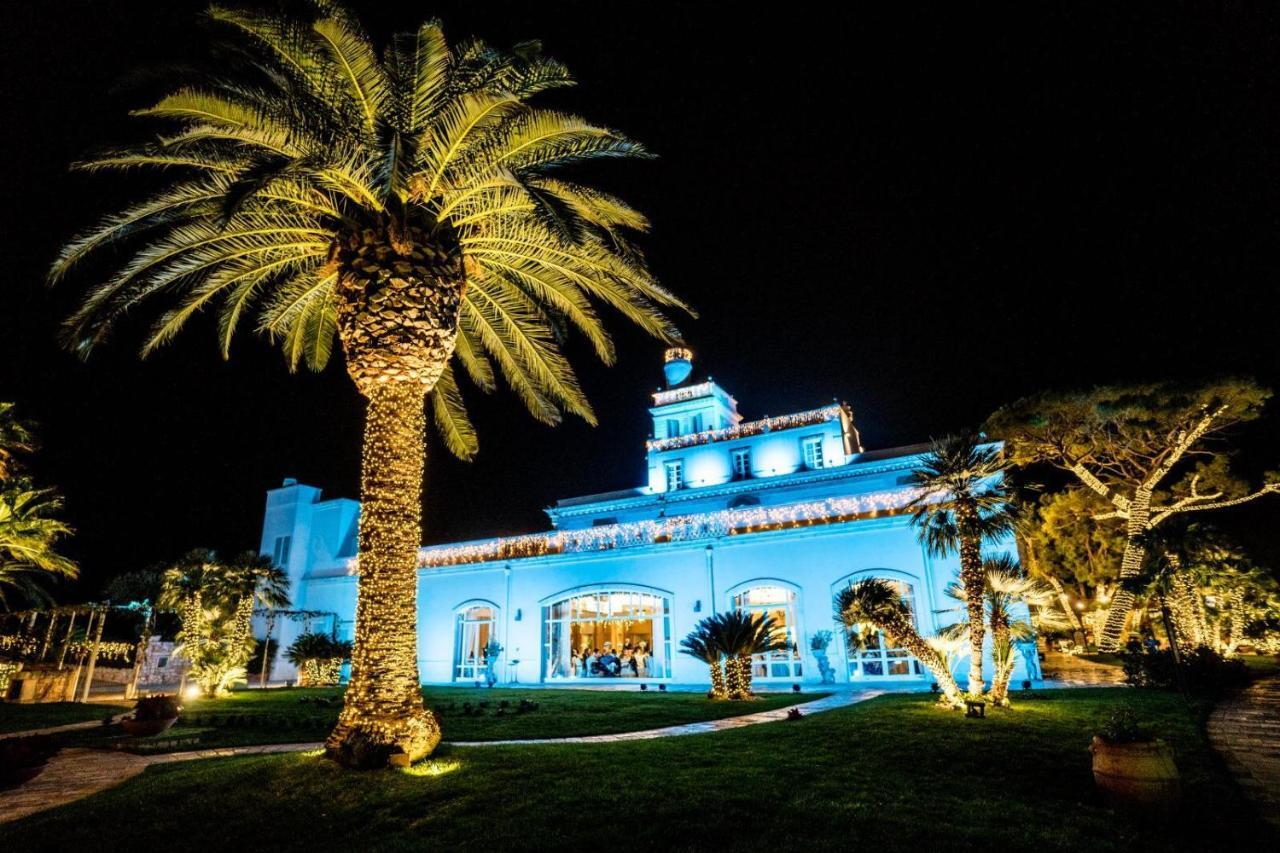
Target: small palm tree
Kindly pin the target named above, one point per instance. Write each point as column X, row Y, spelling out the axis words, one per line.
column 1005, row 586
column 963, row 502
column 874, row 605
column 409, row 203
column 701, row 645
column 740, row 635
column 29, row 537
column 318, row 658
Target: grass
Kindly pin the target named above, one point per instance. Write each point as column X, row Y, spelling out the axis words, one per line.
column 292, row 716
column 894, row 773
column 1262, row 666
column 17, row 718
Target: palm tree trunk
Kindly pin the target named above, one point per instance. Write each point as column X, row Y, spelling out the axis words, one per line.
column 718, row 690
column 1002, row 661
column 744, row 675
column 973, row 582
column 923, row 652
column 383, row 711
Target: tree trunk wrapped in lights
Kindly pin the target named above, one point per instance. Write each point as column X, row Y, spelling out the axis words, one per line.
column 398, row 324
column 973, row 581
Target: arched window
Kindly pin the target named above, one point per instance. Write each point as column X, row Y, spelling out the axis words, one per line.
column 779, row 602
column 877, row 658
column 477, row 627
column 607, row 633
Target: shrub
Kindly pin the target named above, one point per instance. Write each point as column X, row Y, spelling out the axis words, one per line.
column 1203, row 670
column 19, row 754
column 159, row 707
column 1122, row 727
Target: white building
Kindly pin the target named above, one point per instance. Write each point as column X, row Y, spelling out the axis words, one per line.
column 772, row 515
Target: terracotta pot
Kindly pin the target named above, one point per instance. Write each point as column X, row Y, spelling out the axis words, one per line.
column 1136, row 775
column 146, row 728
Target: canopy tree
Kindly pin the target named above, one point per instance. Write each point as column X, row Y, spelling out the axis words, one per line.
column 407, row 201
column 1152, row 452
column 964, row 501
column 1066, row 548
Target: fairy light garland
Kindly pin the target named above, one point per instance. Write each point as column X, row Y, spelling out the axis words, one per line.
column 24, row 645
column 679, row 395
column 746, row 430
column 685, row 528
column 319, row 672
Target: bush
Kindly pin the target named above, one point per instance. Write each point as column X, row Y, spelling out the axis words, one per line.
column 1203, row 670
column 159, row 707
column 21, row 754
column 1122, row 727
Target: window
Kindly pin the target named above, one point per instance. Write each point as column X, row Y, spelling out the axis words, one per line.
column 608, row 634
column 876, row 659
column 780, row 603
column 812, row 451
column 742, row 463
column 673, row 428
column 675, row 476
column 280, row 550
column 477, row 627
column 695, row 423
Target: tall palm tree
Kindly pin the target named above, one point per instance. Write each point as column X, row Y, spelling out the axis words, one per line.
column 701, row 644
column 963, row 501
column 29, row 538
column 740, row 635
column 874, row 605
column 408, row 203
column 247, row 581
column 1006, row 585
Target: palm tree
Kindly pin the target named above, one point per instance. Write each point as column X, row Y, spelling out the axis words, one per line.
column 409, row 204
column 15, row 438
column 1005, row 585
column 248, row 581
column 740, row 635
column 318, row 658
column 874, row 605
column 963, row 501
column 29, row 537
column 701, row 644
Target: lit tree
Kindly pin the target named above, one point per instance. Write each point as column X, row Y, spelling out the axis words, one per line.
column 1063, row 546
column 701, row 645
column 214, row 600
column 740, row 635
column 1005, row 585
column 318, row 658
column 407, row 203
column 874, row 605
column 963, row 502
column 15, row 438
column 30, row 532
column 1146, row 450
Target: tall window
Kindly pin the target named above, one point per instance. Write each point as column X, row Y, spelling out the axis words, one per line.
column 780, row 603
column 877, row 658
column 477, row 625
column 742, row 463
column 812, row 452
column 608, row 634
column 280, row 551
column 675, row 476
column 673, row 428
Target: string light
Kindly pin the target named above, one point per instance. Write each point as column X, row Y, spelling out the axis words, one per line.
column 24, row 645
column 743, row 430
column 679, row 395
column 320, row 672
column 685, row 528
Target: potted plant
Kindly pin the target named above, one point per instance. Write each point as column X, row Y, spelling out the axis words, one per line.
column 1132, row 769
column 818, row 645
column 22, row 758
column 151, row 716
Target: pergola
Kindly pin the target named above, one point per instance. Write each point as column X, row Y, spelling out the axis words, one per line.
column 46, row 637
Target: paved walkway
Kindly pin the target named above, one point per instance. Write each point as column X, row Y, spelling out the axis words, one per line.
column 69, row 727
column 1075, row 671
column 1245, row 730
column 73, row 774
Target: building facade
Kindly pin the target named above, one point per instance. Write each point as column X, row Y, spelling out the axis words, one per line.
column 773, row 515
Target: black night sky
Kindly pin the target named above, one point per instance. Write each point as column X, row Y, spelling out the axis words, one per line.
column 925, row 211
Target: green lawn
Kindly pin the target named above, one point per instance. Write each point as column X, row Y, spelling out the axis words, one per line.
column 291, row 716
column 17, row 718
column 894, row 773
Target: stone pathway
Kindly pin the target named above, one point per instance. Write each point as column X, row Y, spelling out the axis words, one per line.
column 1245, row 730
column 1075, row 671
column 69, row 727
column 69, row 776
column 76, row 773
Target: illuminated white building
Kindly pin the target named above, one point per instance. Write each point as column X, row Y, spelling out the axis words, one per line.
column 772, row 515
